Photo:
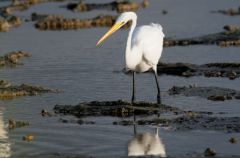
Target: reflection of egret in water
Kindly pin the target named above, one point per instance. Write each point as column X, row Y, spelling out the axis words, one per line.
column 4, row 142
column 145, row 144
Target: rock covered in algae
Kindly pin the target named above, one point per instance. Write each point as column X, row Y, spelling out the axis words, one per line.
column 11, row 91
column 229, row 70
column 12, row 58
column 230, row 37
column 60, row 23
column 119, row 6
column 211, row 93
column 113, row 108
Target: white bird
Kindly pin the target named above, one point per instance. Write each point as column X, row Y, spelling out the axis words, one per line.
column 144, row 46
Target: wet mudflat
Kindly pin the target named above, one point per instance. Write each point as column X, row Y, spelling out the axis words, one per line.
column 68, row 60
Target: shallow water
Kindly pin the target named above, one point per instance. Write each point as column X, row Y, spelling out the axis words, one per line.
column 69, row 61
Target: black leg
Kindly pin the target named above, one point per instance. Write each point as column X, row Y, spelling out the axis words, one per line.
column 158, row 89
column 134, row 124
column 133, row 101
column 133, row 88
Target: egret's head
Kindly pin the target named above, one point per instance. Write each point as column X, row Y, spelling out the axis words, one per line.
column 121, row 20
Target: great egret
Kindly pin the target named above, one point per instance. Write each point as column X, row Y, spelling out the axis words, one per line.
column 143, row 49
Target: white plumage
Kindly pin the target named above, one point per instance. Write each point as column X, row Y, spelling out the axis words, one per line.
column 144, row 45
column 147, row 41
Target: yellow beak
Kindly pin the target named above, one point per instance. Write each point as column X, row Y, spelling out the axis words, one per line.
column 114, row 28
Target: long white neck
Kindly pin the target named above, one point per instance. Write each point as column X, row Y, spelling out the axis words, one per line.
column 129, row 40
